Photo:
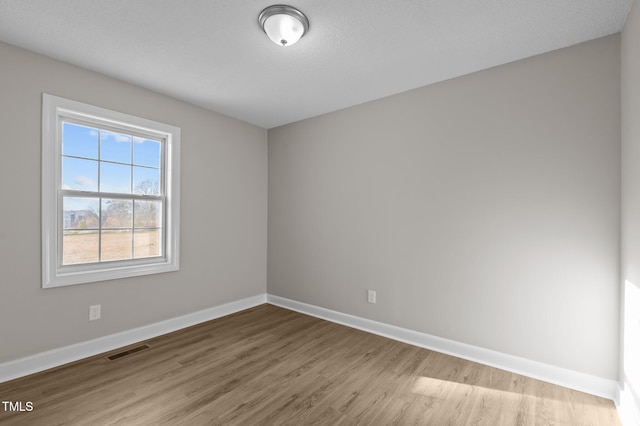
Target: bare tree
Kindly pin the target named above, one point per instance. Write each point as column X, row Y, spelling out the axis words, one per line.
column 148, row 187
column 147, row 212
column 116, row 213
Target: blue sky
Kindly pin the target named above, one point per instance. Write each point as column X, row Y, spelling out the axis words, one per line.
column 100, row 160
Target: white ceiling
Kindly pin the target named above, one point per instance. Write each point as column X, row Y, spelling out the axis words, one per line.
column 213, row 53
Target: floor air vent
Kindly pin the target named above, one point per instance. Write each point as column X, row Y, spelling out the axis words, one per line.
column 127, row 352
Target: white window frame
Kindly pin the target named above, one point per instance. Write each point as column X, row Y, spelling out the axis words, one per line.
column 56, row 109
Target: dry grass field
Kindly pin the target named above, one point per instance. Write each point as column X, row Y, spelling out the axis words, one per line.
column 83, row 246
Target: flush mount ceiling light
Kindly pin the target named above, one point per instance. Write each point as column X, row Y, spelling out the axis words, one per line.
column 284, row 25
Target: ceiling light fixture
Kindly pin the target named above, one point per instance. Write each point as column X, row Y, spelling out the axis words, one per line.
column 284, row 25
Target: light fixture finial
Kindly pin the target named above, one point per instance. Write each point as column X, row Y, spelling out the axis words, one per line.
column 283, row 24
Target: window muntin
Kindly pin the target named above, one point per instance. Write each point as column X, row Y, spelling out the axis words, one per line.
column 110, row 194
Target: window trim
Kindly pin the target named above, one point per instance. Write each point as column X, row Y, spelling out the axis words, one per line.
column 54, row 109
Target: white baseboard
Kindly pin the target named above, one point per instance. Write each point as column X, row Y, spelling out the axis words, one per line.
column 56, row 357
column 594, row 385
column 628, row 408
column 572, row 379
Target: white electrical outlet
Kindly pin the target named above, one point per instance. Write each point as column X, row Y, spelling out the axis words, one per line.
column 371, row 296
column 94, row 312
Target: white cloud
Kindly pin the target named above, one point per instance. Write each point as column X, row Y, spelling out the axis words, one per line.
column 143, row 140
column 84, row 181
column 119, row 137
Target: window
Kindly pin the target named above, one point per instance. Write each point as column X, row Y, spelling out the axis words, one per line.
column 110, row 194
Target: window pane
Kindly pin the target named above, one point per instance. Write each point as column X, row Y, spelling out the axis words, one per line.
column 147, row 243
column 79, row 141
column 146, row 152
column 117, row 213
column 79, row 174
column 80, row 213
column 115, row 147
column 148, row 214
column 146, row 181
column 115, row 178
column 79, row 247
column 115, row 245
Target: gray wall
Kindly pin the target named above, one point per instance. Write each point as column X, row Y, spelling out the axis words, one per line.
column 483, row 209
column 630, row 371
column 224, row 212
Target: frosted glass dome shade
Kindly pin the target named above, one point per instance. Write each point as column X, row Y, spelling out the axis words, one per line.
column 284, row 25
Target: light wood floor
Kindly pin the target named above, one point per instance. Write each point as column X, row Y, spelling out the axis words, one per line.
column 268, row 365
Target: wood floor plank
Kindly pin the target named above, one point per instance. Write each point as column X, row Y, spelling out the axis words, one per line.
column 269, row 365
